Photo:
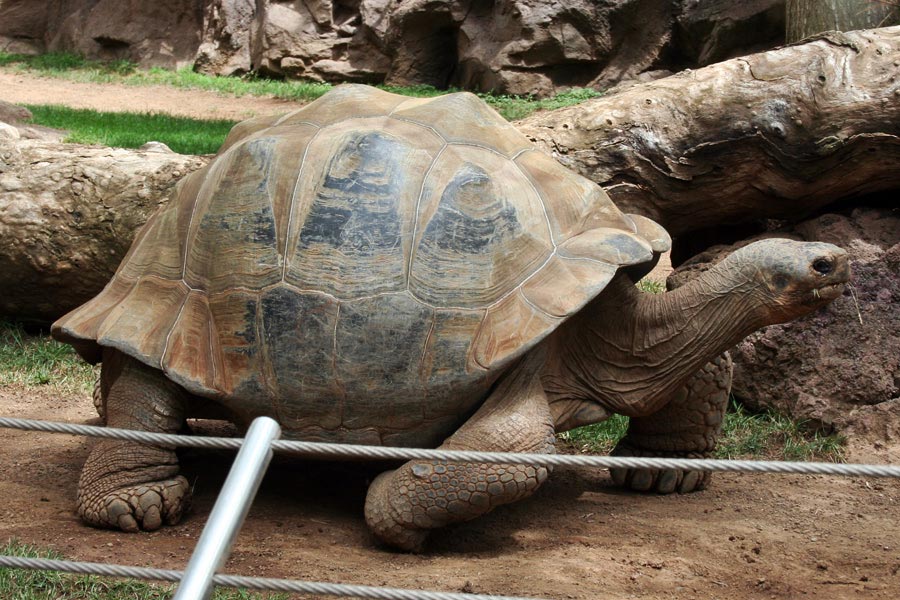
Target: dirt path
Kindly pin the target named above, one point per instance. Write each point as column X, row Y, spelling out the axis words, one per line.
column 28, row 89
column 748, row 537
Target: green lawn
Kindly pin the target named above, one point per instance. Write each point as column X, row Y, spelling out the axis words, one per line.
column 39, row 360
column 76, row 68
column 25, row 584
column 133, row 130
column 745, row 435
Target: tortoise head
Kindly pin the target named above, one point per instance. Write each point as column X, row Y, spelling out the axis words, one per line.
column 793, row 278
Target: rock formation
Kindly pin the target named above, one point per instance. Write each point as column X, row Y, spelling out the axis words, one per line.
column 508, row 46
column 160, row 33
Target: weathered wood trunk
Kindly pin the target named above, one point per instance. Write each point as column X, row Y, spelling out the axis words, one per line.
column 809, row 17
column 68, row 214
column 778, row 134
column 773, row 135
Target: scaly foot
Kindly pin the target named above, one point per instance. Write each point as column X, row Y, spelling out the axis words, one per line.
column 140, row 507
column 661, row 481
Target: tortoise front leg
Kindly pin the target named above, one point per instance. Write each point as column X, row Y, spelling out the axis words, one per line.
column 402, row 506
column 128, row 485
column 687, row 427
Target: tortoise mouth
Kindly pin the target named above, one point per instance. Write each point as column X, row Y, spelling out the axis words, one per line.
column 829, row 291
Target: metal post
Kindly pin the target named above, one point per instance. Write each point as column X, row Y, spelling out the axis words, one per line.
column 228, row 513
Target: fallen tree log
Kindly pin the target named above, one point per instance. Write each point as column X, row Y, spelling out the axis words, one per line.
column 68, row 214
column 772, row 135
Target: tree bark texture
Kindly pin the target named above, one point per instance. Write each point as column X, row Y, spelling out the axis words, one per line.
column 809, row 17
column 772, row 135
column 68, row 214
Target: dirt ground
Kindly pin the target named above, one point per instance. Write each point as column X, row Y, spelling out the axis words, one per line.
column 747, row 537
column 19, row 88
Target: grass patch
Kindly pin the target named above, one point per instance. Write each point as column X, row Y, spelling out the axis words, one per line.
column 598, row 438
column 77, row 68
column 132, row 130
column 767, row 435
column 38, row 360
column 774, row 436
column 518, row 107
column 25, row 584
column 651, row 287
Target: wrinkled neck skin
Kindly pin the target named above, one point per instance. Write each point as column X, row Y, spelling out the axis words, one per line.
column 628, row 351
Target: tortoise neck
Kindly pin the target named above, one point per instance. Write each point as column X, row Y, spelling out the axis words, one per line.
column 629, row 351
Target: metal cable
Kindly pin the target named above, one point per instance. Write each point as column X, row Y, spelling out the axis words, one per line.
column 323, row 450
column 239, row 581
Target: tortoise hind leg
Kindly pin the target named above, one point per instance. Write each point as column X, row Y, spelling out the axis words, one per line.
column 128, row 485
column 403, row 505
column 687, row 427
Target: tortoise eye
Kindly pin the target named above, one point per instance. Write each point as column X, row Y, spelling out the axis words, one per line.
column 823, row 266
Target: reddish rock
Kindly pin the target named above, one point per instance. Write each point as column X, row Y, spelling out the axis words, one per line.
column 23, row 25
column 160, row 33
column 318, row 40
column 508, row 46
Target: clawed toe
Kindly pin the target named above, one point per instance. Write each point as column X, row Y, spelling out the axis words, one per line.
column 660, row 481
column 143, row 507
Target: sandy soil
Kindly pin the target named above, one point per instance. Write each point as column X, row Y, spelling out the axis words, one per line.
column 27, row 89
column 747, row 537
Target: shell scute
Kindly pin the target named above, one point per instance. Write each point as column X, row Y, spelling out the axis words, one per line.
column 482, row 230
column 232, row 238
column 352, row 228
column 581, row 279
column 463, row 118
column 578, row 204
column 158, row 251
column 244, row 368
column 141, row 323
column 509, row 328
column 344, row 102
column 192, row 348
column 379, row 343
column 611, row 246
column 297, row 339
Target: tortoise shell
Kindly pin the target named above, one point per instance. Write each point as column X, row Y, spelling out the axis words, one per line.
column 362, row 268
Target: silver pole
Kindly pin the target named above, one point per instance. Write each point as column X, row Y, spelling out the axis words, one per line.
column 229, row 511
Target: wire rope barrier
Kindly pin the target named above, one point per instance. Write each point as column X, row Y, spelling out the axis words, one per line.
column 240, row 581
column 360, row 452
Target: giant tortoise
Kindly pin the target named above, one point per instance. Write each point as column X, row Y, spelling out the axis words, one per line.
column 376, row 269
